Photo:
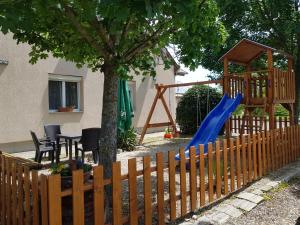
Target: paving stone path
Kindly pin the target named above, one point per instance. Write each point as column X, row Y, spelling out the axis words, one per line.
column 246, row 200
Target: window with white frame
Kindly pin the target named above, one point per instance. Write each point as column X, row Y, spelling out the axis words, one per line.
column 64, row 91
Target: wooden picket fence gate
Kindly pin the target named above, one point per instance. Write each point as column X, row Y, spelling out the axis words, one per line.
column 150, row 193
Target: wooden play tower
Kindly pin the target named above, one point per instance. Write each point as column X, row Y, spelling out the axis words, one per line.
column 261, row 88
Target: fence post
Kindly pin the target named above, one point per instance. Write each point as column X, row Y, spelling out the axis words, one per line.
column 54, row 197
column 132, row 175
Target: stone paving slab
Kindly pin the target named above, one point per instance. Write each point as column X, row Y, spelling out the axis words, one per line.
column 229, row 210
column 243, row 204
column 218, row 217
column 250, row 197
column 247, row 199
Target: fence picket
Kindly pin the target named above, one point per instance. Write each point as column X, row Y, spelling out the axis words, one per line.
column 238, row 163
column 44, row 199
column 244, row 162
column 98, row 195
column 202, row 175
column 54, row 191
column 35, row 197
column 160, row 187
column 3, row 195
column 172, row 185
column 225, row 164
column 117, row 199
column 259, row 155
column 254, row 151
column 147, row 190
column 249, row 156
column 232, row 166
column 20, row 196
column 78, row 197
column 218, row 168
column 8, row 191
column 27, row 196
column 264, row 155
column 14, row 193
column 193, row 183
column 183, row 181
column 210, row 174
column 132, row 175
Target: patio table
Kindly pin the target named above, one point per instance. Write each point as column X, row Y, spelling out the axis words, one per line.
column 70, row 138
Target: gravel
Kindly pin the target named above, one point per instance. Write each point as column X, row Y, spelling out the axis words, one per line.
column 282, row 207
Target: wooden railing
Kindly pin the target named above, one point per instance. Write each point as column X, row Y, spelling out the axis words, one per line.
column 150, row 193
column 284, row 86
column 256, row 86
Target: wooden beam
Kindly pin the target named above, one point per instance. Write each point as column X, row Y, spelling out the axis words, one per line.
column 158, row 90
column 226, row 91
column 191, row 83
column 150, row 125
column 270, row 77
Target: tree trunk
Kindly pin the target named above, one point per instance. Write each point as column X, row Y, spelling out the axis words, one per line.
column 108, row 140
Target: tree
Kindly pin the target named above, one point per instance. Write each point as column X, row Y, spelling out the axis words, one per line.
column 114, row 37
column 194, row 106
column 272, row 22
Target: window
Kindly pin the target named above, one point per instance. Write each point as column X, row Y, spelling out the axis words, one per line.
column 64, row 91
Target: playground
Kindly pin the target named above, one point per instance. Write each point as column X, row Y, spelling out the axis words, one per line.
column 166, row 180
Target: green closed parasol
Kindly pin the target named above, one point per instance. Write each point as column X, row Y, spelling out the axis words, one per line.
column 125, row 110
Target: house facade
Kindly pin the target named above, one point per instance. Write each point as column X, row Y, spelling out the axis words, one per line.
column 34, row 95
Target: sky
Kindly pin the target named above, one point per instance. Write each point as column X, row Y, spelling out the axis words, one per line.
column 199, row 74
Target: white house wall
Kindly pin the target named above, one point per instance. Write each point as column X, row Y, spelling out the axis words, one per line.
column 24, row 95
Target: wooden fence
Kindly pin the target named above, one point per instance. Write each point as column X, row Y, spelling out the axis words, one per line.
column 151, row 192
column 258, row 122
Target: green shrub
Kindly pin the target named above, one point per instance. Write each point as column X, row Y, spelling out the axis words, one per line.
column 127, row 140
column 281, row 111
column 186, row 112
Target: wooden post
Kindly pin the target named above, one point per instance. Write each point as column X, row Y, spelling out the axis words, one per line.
column 226, row 91
column 290, row 64
column 270, row 76
column 158, row 90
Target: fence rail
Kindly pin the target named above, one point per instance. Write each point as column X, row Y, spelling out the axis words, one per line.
column 151, row 192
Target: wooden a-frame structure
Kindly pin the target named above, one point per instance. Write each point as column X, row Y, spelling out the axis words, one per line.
column 160, row 90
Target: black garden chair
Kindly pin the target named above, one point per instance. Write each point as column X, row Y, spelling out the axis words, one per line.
column 42, row 147
column 51, row 132
column 89, row 142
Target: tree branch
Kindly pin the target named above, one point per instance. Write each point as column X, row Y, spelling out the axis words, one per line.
column 72, row 16
column 103, row 34
column 125, row 29
column 145, row 42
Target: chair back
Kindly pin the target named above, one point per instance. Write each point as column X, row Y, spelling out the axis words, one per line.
column 52, row 131
column 35, row 141
column 90, row 139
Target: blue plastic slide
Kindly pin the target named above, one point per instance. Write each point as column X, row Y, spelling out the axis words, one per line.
column 213, row 123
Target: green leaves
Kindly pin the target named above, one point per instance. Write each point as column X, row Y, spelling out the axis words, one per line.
column 128, row 34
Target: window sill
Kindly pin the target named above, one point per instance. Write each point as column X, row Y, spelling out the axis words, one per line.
column 56, row 112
